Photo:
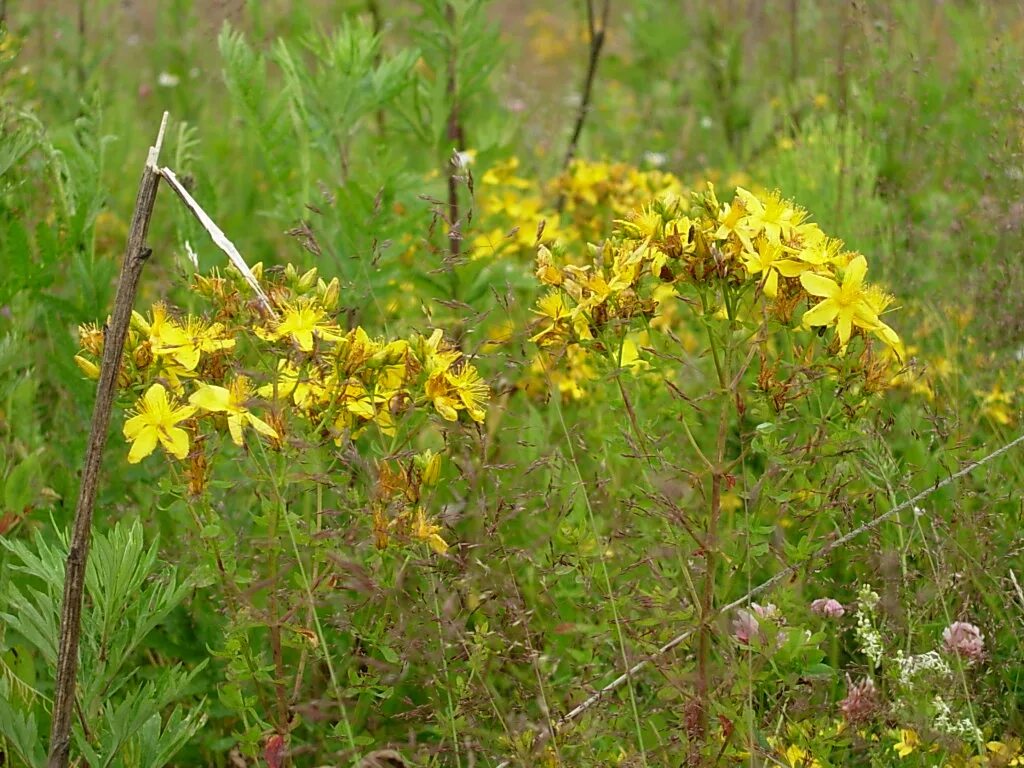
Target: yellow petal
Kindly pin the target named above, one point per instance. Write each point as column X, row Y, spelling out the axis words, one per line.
column 821, row 313
column 845, row 326
column 789, row 267
column 261, row 426
column 304, row 339
column 444, row 406
column 187, row 357
column 155, row 399
column 865, row 316
column 235, row 428
column 819, row 285
column 134, row 426
column 853, row 276
column 143, row 445
column 175, row 442
column 212, row 398
column 182, row 413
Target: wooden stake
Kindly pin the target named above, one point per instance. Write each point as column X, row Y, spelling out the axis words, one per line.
column 115, row 333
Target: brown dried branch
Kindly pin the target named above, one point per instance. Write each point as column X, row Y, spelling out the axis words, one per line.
column 116, row 331
column 596, row 34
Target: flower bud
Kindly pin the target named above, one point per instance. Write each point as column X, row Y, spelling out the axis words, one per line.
column 329, row 294
column 308, row 280
column 89, row 368
column 429, row 465
column 827, row 607
column 142, row 355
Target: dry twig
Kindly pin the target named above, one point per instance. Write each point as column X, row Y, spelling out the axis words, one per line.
column 596, row 35
column 115, row 333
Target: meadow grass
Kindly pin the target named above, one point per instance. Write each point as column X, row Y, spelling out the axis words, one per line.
column 522, row 461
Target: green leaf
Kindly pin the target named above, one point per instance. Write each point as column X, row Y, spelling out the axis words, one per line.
column 22, row 485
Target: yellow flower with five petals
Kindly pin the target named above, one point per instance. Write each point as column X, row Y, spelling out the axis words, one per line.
column 233, row 401
column 156, row 422
column 847, row 304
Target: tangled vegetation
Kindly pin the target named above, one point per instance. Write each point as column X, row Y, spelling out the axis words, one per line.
column 555, row 421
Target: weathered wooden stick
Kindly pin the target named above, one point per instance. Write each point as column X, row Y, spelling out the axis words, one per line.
column 115, row 333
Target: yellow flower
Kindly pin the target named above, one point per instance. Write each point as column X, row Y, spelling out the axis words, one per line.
column 428, row 532
column 186, row 345
column 645, row 224
column 798, row 757
column 733, row 220
column 301, row 322
column 547, row 272
column 155, row 422
column 440, row 393
column 472, row 391
column 772, row 215
column 165, row 335
column 302, row 386
column 845, row 305
column 909, row 741
column 997, row 405
column 234, row 402
column 767, row 259
column 435, row 354
column 555, row 316
column 429, row 465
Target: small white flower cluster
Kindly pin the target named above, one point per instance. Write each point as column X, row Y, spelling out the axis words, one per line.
column 946, row 723
column 867, row 598
column 923, row 666
column 868, row 637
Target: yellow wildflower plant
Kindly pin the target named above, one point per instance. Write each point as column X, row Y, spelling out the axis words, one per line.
column 729, row 261
column 156, row 421
column 329, row 385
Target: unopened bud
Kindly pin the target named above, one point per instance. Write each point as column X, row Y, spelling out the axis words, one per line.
column 329, row 294
column 429, row 465
column 88, row 367
column 308, row 280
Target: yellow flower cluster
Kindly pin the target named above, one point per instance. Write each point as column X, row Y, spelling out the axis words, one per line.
column 594, row 193
column 761, row 247
column 514, row 213
column 517, row 213
column 325, row 383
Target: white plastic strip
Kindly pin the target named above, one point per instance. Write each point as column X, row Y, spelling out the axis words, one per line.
column 218, row 236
